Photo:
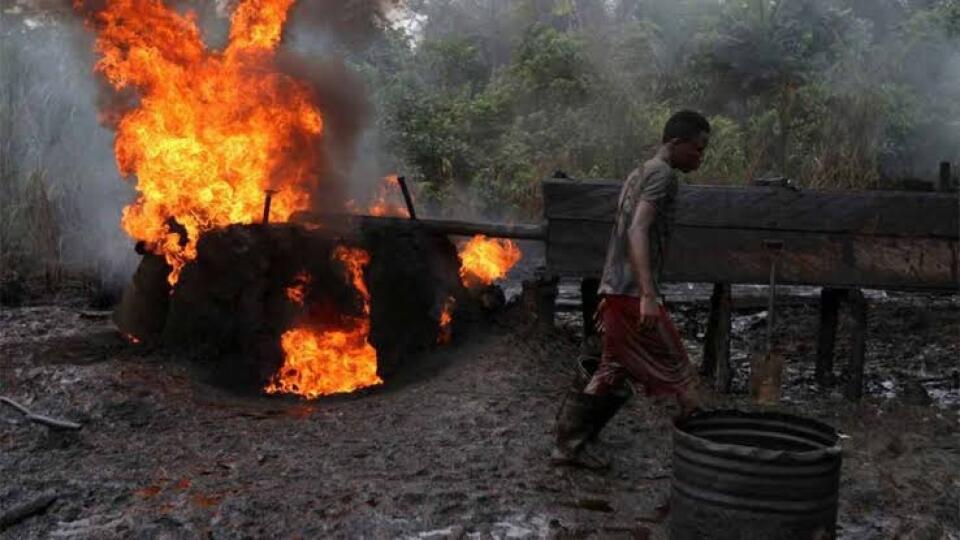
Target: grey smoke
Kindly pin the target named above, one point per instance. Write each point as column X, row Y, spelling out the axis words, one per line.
column 53, row 134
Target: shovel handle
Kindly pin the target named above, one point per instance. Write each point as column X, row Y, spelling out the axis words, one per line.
column 774, row 247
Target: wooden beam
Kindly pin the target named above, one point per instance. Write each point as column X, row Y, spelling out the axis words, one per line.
column 577, row 248
column 589, row 300
column 539, row 298
column 858, row 348
column 716, row 345
column 885, row 213
column 827, row 336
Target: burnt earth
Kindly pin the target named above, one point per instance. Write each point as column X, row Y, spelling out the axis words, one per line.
column 455, row 447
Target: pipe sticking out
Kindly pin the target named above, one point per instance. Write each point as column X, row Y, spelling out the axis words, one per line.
column 266, row 204
column 406, row 197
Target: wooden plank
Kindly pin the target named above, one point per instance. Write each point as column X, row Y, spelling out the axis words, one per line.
column 892, row 213
column 716, row 344
column 589, row 301
column 839, row 260
column 577, row 249
column 827, row 336
column 858, row 346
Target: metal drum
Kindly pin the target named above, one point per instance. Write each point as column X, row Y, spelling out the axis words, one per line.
column 739, row 475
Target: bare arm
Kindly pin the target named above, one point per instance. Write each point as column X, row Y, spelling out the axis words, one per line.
column 639, row 236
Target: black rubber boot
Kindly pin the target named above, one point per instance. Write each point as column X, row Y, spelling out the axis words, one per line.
column 606, row 409
column 608, row 405
column 576, row 422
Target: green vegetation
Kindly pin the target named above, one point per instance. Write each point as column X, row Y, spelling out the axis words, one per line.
column 494, row 95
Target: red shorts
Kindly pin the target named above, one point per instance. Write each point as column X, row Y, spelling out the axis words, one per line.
column 654, row 357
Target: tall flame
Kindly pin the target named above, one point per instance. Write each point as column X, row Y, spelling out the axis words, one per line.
column 327, row 361
column 212, row 129
column 483, row 260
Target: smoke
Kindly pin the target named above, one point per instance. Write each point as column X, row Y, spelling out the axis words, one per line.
column 321, row 39
column 56, row 151
column 346, row 23
column 341, row 97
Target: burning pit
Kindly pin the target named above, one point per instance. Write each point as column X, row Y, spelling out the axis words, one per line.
column 309, row 311
column 226, row 147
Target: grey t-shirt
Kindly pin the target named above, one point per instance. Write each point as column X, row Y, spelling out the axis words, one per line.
column 654, row 182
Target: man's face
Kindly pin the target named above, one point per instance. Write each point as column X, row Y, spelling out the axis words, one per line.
column 687, row 154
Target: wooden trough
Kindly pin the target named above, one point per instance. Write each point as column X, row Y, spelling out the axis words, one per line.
column 841, row 241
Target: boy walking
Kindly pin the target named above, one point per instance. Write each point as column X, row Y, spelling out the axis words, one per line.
column 639, row 341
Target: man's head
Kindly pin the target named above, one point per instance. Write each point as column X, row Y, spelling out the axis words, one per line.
column 686, row 134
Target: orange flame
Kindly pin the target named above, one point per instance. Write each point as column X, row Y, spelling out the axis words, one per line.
column 298, row 291
column 446, row 317
column 382, row 206
column 483, row 260
column 329, row 361
column 387, row 202
column 212, row 129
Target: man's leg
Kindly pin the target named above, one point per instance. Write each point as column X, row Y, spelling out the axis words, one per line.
column 576, row 426
column 688, row 391
column 658, row 358
column 609, row 380
column 585, row 412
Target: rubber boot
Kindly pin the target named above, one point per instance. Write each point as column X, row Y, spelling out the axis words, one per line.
column 576, row 422
column 607, row 409
column 609, row 404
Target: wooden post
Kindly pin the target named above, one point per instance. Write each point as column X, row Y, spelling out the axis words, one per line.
column 716, row 345
column 945, row 179
column 589, row 299
column 858, row 345
column 539, row 299
column 827, row 337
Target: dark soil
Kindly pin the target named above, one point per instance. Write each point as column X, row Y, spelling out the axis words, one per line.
column 455, row 445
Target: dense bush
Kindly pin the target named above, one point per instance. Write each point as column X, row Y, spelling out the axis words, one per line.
column 491, row 96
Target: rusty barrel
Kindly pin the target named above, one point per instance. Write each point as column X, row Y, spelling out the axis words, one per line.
column 740, row 475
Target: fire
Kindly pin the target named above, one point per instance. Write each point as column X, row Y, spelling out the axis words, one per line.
column 331, row 360
column 298, row 291
column 212, row 130
column 483, row 260
column 387, row 202
column 382, row 206
column 446, row 317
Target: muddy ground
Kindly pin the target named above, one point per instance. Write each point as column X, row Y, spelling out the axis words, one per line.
column 454, row 446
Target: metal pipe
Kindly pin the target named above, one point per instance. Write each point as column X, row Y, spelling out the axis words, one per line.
column 528, row 231
column 266, row 205
column 465, row 228
column 406, row 197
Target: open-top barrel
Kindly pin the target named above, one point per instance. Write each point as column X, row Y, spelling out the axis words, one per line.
column 739, row 475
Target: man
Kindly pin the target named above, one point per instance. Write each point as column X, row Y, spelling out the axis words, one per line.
column 639, row 341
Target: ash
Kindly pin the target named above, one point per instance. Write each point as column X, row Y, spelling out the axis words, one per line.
column 455, row 446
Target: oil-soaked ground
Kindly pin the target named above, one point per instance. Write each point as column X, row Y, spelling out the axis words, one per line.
column 453, row 447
